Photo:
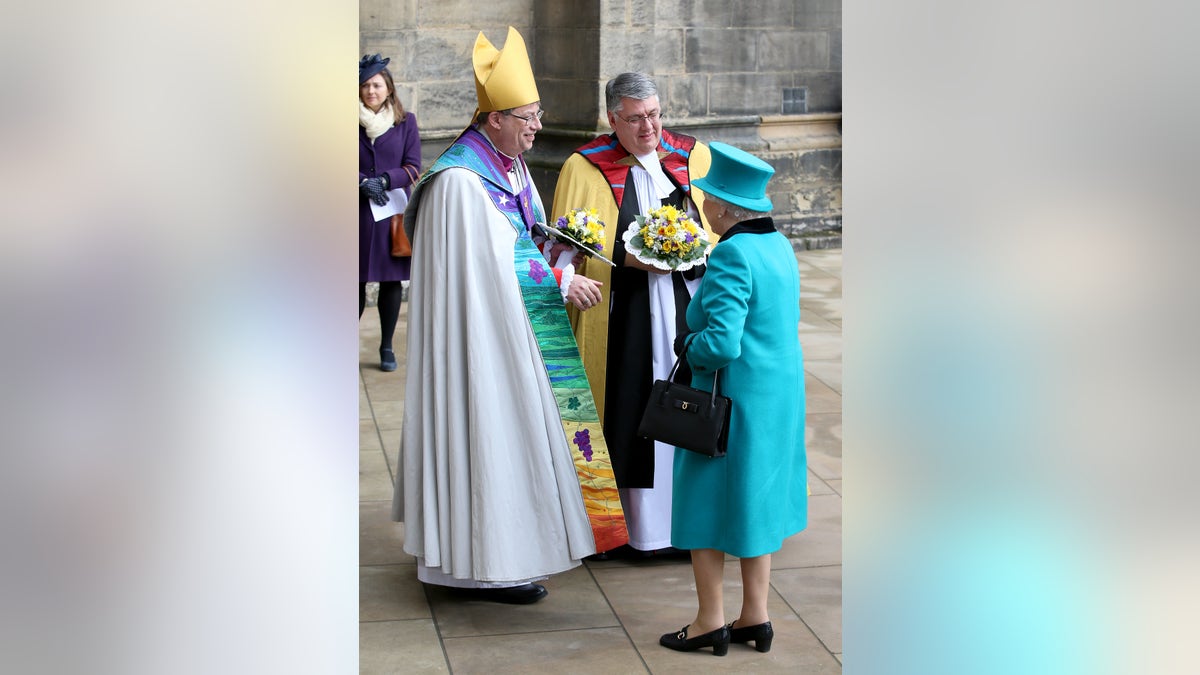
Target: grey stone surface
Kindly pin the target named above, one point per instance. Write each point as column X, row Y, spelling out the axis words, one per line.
column 567, row 14
column 622, row 51
column 683, row 96
column 390, row 647
column 568, row 102
column 762, row 13
column 581, row 47
column 447, row 105
column 387, row 14
column 792, row 50
column 641, row 12
column 443, row 54
column 824, row 91
column 492, row 18
column 746, row 93
column 690, row 13
column 720, row 50
column 818, row 13
column 613, row 14
column 669, row 44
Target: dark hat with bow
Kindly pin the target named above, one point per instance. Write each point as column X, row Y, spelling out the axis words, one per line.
column 370, row 65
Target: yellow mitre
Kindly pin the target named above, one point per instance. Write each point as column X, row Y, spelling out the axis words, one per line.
column 503, row 78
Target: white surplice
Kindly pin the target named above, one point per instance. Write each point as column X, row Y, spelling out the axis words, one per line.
column 486, row 485
column 648, row 510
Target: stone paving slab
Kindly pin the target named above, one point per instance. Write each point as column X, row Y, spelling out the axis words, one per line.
column 380, row 540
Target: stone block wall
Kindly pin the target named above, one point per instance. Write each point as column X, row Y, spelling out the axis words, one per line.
column 763, row 75
column 430, row 44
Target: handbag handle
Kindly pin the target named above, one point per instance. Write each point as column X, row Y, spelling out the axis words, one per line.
column 687, row 342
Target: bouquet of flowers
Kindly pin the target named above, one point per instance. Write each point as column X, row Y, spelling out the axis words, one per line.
column 585, row 227
column 668, row 239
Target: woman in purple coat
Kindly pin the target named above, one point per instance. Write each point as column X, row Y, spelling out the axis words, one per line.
column 389, row 158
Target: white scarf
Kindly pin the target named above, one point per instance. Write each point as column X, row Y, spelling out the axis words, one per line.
column 375, row 123
column 662, row 185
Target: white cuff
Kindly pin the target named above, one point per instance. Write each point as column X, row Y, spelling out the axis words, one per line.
column 564, row 258
column 568, row 275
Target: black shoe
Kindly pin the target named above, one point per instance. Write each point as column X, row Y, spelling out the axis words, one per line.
column 717, row 639
column 387, row 360
column 525, row 594
column 762, row 634
column 673, row 553
column 618, row 553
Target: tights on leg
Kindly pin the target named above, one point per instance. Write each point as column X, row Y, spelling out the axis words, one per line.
column 390, row 294
column 708, row 566
column 756, row 584
column 362, row 297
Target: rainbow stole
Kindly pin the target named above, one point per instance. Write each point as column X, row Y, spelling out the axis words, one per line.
column 548, row 318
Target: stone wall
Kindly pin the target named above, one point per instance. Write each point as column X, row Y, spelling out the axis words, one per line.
column 764, row 76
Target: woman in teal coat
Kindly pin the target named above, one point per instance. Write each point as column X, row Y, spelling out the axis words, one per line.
column 744, row 321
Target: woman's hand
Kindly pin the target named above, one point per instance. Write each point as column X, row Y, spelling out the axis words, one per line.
column 376, row 190
column 583, row 292
column 681, row 342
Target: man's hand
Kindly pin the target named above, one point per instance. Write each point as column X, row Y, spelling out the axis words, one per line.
column 583, row 292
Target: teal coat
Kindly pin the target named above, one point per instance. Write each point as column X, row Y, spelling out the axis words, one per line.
column 745, row 320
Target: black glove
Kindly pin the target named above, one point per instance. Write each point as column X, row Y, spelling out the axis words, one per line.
column 376, row 190
column 680, row 342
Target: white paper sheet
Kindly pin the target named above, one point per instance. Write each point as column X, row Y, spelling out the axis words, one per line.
column 398, row 200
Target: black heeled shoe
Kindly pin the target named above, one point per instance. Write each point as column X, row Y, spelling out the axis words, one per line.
column 387, row 360
column 762, row 634
column 717, row 639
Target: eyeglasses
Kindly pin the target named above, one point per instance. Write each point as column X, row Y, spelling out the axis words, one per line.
column 636, row 120
column 527, row 118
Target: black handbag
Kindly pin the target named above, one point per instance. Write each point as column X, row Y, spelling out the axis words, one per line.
column 688, row 418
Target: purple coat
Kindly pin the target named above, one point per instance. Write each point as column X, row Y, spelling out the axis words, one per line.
column 398, row 147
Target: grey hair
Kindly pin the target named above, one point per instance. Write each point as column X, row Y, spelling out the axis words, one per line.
column 739, row 213
column 637, row 86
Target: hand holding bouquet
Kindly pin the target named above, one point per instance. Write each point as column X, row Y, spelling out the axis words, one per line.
column 666, row 238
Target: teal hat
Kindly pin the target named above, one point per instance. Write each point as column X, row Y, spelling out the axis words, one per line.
column 737, row 177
